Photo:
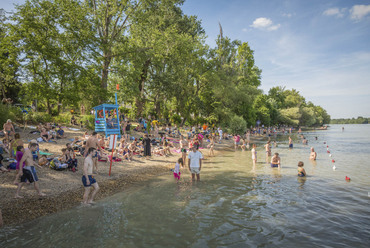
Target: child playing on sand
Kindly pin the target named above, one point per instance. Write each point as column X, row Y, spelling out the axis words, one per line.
column 301, row 171
column 176, row 171
column 275, row 160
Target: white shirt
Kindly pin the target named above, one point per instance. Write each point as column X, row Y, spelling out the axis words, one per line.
column 194, row 159
column 177, row 168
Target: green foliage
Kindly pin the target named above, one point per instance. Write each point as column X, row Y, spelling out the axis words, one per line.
column 237, row 124
column 39, row 117
column 176, row 119
column 9, row 112
column 63, row 118
column 73, row 52
column 358, row 120
column 88, row 121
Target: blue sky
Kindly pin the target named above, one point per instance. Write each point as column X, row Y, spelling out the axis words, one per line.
column 321, row 48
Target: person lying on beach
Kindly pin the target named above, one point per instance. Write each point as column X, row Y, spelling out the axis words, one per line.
column 43, row 160
column 45, row 135
column 275, row 160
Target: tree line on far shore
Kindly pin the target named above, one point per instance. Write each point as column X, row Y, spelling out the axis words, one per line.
column 358, row 120
column 61, row 54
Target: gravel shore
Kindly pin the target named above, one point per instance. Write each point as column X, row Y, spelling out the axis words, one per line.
column 64, row 189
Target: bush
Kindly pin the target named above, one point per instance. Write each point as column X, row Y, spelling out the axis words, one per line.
column 63, row 118
column 88, row 121
column 237, row 124
column 10, row 112
column 37, row 117
column 176, row 119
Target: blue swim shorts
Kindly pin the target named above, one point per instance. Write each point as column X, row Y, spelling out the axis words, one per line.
column 91, row 179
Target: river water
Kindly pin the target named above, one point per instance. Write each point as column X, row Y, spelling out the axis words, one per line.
column 234, row 205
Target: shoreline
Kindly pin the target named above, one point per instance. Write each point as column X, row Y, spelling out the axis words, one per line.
column 64, row 189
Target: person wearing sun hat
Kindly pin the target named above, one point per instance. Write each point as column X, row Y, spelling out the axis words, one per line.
column 9, row 130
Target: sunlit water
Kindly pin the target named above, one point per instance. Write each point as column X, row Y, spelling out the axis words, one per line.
column 234, row 205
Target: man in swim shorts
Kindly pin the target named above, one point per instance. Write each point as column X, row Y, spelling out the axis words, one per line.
column 87, row 179
column 290, row 142
column 9, row 130
column 275, row 160
column 28, row 173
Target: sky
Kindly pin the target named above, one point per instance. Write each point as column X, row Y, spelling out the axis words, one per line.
column 319, row 47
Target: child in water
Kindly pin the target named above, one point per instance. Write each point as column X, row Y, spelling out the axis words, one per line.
column 301, row 171
column 176, row 171
column 254, row 154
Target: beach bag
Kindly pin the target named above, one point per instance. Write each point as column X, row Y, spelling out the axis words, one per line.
column 39, row 139
column 12, row 166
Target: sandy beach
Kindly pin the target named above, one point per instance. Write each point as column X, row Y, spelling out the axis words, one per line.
column 64, row 189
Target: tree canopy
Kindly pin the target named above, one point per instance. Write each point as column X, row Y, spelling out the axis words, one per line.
column 64, row 53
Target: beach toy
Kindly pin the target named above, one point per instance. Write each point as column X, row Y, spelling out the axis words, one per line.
column 333, row 161
column 98, row 122
column 334, row 168
column 348, row 179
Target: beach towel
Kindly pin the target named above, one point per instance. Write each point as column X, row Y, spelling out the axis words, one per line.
column 45, row 153
column 74, row 129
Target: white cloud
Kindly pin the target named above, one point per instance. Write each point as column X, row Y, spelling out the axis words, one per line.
column 244, row 30
column 264, row 24
column 287, row 15
column 335, row 12
column 359, row 11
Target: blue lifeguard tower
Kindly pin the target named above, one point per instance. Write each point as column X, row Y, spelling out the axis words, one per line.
column 107, row 119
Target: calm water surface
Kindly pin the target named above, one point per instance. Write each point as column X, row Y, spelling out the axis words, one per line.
column 235, row 204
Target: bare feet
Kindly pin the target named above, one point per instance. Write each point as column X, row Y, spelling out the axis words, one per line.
column 18, row 196
column 42, row 194
column 15, row 183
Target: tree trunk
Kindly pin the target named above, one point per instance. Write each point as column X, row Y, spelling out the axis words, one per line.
column 140, row 99
column 49, row 107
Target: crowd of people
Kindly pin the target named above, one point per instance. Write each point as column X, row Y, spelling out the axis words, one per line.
column 150, row 139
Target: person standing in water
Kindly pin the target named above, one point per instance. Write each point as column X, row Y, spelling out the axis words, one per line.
column 195, row 163
column 290, row 143
column 313, row 154
column 254, row 154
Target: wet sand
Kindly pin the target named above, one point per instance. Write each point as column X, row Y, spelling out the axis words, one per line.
column 64, row 189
